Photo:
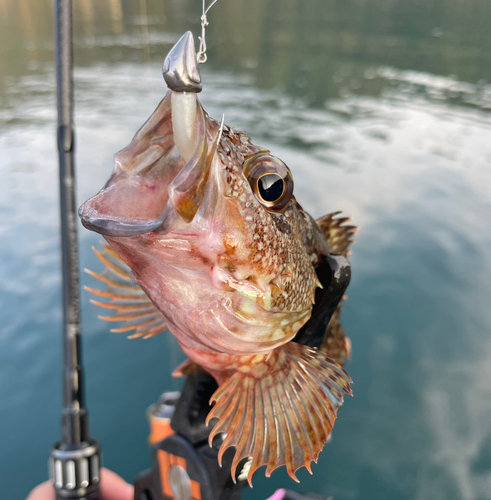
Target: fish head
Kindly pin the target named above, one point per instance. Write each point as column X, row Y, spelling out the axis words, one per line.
column 211, row 229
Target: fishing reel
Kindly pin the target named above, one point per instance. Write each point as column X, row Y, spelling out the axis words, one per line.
column 185, row 466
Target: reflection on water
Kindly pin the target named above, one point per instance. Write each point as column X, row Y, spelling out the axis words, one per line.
column 381, row 109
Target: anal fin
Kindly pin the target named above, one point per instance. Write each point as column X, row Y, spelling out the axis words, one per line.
column 187, row 368
column 281, row 410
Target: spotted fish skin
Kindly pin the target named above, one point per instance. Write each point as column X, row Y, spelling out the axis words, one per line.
column 280, row 247
column 233, row 276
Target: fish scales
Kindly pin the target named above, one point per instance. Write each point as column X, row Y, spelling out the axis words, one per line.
column 274, row 246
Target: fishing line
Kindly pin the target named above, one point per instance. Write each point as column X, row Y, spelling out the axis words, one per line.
column 201, row 56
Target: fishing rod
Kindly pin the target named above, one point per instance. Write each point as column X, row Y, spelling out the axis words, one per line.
column 76, row 459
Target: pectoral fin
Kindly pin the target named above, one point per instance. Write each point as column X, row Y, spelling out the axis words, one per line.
column 127, row 298
column 280, row 410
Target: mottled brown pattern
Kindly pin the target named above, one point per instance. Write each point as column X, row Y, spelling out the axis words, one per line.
column 280, row 245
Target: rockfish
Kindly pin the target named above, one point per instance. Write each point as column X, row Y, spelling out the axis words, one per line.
column 223, row 255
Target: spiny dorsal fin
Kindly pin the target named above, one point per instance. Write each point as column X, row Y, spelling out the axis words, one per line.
column 127, row 298
column 339, row 236
column 281, row 410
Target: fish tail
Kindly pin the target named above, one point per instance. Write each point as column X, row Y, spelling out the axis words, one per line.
column 280, row 410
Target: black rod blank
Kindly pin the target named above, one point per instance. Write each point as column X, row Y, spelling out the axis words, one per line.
column 75, row 460
column 74, row 417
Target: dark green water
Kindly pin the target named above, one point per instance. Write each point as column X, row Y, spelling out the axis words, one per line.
column 382, row 109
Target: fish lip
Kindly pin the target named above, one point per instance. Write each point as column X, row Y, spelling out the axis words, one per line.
column 112, row 227
column 121, row 227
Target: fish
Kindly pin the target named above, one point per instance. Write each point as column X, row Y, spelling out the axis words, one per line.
column 205, row 238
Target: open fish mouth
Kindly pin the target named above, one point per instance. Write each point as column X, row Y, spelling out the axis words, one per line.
column 162, row 171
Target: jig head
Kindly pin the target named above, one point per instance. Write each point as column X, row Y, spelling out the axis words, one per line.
column 180, row 68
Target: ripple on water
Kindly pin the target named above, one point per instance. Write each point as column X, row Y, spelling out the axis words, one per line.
column 411, row 168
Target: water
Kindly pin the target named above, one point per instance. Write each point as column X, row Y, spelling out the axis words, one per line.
column 383, row 110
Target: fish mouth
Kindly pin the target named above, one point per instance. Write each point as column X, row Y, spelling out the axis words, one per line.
column 161, row 174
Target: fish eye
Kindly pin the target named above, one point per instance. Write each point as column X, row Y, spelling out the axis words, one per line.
column 271, row 187
column 271, row 181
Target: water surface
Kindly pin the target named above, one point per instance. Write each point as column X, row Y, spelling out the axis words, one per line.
column 382, row 110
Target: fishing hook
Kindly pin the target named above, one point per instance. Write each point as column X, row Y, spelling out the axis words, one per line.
column 201, row 56
column 220, row 130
